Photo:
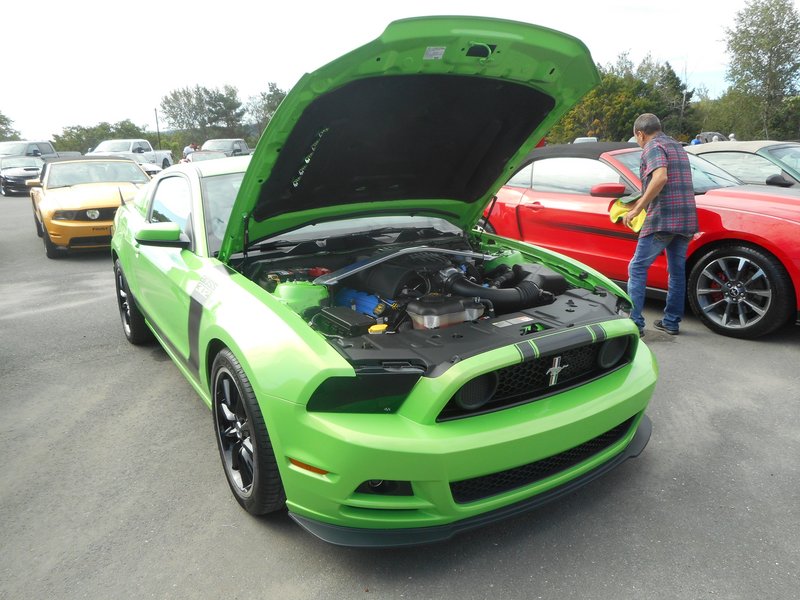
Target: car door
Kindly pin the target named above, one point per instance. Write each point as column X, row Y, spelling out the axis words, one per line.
column 166, row 276
column 559, row 213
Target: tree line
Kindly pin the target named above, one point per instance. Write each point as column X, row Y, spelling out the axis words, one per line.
column 761, row 102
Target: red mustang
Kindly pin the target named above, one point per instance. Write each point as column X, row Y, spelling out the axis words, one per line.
column 743, row 266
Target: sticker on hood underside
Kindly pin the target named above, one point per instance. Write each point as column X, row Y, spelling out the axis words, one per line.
column 434, row 53
column 514, row 321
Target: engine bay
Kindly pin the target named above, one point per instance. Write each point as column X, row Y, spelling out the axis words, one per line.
column 425, row 299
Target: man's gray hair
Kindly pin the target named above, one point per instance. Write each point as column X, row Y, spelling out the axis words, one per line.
column 647, row 123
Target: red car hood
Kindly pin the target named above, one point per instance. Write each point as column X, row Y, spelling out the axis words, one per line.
column 782, row 203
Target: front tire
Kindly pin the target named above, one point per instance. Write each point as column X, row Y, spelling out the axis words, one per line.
column 242, row 439
column 50, row 249
column 37, row 224
column 133, row 325
column 740, row 292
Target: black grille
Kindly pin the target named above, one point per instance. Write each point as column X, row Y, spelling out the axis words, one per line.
column 530, row 380
column 96, row 240
column 478, row 488
column 106, row 214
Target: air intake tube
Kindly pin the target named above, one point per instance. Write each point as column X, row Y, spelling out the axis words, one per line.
column 525, row 294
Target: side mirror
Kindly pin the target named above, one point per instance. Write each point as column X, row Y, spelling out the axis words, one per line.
column 35, row 152
column 89, row 150
column 779, row 180
column 138, row 150
column 608, row 190
column 236, row 151
column 167, row 235
column 33, row 183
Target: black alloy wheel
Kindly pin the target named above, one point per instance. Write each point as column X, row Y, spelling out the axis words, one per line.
column 740, row 292
column 133, row 323
column 242, row 439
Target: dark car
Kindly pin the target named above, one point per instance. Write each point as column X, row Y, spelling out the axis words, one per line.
column 763, row 162
column 15, row 171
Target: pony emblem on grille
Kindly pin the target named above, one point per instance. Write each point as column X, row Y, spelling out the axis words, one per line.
column 555, row 370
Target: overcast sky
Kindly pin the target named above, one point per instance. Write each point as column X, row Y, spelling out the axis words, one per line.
column 81, row 62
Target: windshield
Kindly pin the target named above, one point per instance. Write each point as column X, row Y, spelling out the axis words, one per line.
column 21, row 161
column 396, row 226
column 217, row 145
column 219, row 193
column 113, row 146
column 96, row 171
column 705, row 176
column 7, row 148
column 787, row 156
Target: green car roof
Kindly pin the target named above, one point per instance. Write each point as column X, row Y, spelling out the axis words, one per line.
column 430, row 118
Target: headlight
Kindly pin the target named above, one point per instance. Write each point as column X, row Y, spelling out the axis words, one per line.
column 64, row 215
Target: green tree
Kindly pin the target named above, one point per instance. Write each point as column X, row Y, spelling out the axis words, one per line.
column 204, row 112
column 764, row 50
column 262, row 106
column 80, row 138
column 6, row 131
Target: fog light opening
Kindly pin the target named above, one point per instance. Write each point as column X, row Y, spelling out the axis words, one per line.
column 477, row 393
column 385, row 487
column 612, row 352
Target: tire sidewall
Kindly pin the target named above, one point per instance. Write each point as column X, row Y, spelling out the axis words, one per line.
column 779, row 309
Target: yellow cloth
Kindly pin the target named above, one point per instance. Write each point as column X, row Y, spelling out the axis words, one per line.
column 618, row 210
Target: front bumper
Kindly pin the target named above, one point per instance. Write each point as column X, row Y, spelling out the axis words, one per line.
column 435, row 458
column 391, row 538
column 79, row 234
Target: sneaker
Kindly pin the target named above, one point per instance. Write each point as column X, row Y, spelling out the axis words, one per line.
column 641, row 332
column 660, row 325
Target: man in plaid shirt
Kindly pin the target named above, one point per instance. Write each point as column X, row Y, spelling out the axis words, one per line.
column 668, row 198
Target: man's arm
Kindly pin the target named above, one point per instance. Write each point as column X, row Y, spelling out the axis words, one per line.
column 657, row 183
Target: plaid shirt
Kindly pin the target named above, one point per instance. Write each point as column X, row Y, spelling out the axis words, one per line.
column 673, row 210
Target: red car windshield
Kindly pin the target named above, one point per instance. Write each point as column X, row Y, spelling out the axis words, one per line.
column 705, row 176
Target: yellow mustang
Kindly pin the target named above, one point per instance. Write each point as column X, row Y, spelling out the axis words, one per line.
column 75, row 199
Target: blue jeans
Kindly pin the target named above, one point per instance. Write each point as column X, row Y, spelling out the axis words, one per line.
column 648, row 249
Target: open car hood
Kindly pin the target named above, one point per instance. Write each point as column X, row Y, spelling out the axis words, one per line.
column 431, row 119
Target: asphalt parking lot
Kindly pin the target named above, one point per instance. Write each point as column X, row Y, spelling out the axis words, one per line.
column 111, row 484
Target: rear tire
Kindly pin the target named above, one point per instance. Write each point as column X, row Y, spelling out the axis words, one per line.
column 741, row 292
column 136, row 330
column 242, row 439
column 164, row 163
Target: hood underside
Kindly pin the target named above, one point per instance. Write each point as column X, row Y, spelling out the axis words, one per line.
column 430, row 118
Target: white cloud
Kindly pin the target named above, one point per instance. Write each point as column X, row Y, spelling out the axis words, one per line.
column 87, row 61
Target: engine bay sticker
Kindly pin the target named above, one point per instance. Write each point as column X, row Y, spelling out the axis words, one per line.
column 514, row 321
column 434, row 53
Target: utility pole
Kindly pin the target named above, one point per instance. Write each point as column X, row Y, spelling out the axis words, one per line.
column 158, row 132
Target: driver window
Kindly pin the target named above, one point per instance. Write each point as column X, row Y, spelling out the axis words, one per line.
column 172, row 202
column 572, row 175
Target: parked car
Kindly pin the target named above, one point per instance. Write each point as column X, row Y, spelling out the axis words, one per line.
column 28, row 148
column 712, row 136
column 761, row 162
column 75, row 200
column 136, row 149
column 373, row 363
column 199, row 155
column 15, row 171
column 584, row 140
column 743, row 266
column 231, row 147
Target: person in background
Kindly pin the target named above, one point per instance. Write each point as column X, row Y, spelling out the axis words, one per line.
column 671, row 221
column 715, row 139
column 189, row 149
column 697, row 140
column 732, row 136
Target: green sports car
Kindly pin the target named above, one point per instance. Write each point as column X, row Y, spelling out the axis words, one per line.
column 373, row 363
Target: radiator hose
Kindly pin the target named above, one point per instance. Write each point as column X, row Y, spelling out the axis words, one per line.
column 526, row 294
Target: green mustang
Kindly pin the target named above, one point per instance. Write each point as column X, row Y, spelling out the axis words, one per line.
column 373, row 364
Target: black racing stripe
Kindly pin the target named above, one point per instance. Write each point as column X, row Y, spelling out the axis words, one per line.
column 599, row 332
column 558, row 342
column 163, row 337
column 526, row 350
column 622, row 235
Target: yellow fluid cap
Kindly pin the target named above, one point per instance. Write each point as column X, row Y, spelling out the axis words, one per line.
column 378, row 328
